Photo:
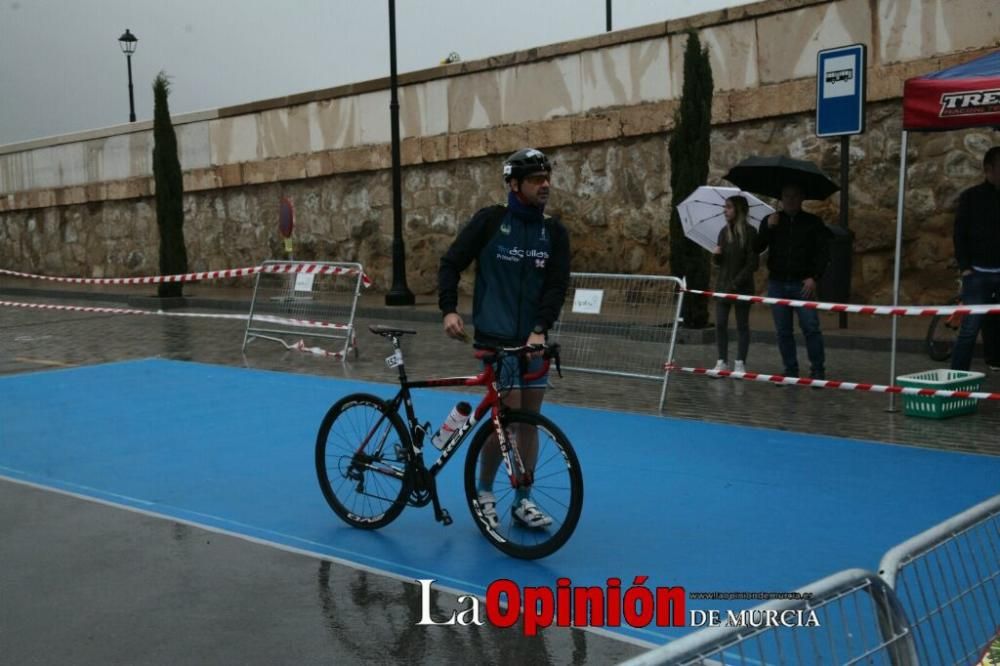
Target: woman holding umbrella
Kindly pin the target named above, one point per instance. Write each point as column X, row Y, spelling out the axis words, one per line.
column 736, row 258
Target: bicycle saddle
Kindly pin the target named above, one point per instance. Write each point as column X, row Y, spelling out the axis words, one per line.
column 390, row 331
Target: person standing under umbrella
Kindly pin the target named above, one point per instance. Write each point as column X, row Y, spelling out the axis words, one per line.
column 799, row 251
column 736, row 258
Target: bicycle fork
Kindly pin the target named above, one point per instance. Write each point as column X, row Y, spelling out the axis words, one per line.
column 511, row 455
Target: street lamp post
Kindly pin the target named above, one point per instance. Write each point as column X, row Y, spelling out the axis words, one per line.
column 400, row 293
column 128, row 42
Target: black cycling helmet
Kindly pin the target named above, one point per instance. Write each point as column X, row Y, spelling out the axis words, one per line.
column 524, row 163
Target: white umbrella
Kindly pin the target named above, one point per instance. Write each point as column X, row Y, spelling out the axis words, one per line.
column 702, row 215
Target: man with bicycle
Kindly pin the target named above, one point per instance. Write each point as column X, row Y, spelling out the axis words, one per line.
column 522, row 274
column 977, row 252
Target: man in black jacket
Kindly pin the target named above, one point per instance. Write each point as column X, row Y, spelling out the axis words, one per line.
column 798, row 253
column 977, row 251
column 522, row 274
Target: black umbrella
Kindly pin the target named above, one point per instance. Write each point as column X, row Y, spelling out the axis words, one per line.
column 767, row 175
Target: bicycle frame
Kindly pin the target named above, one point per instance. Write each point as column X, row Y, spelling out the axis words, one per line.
column 491, row 402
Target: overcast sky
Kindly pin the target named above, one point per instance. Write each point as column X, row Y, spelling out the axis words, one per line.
column 61, row 68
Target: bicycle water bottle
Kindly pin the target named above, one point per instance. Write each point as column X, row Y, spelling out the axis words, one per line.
column 456, row 419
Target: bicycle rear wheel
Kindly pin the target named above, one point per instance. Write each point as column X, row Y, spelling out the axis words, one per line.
column 941, row 334
column 554, row 484
column 361, row 461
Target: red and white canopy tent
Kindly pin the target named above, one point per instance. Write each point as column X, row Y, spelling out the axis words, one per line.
column 960, row 97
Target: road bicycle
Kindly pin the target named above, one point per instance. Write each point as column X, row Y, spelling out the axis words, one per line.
column 371, row 466
column 942, row 331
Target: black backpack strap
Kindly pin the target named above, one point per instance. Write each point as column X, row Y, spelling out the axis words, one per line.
column 496, row 214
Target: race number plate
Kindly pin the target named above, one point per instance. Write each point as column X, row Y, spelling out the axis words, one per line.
column 395, row 360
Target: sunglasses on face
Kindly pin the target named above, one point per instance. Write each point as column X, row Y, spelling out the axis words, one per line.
column 538, row 178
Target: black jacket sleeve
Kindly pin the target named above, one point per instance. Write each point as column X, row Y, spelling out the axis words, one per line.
column 763, row 236
column 471, row 239
column 556, row 278
column 963, row 225
column 821, row 252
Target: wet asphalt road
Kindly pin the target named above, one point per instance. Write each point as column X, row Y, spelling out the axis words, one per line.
column 88, row 583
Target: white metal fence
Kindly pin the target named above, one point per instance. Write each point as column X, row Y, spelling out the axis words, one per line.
column 622, row 325
column 948, row 581
column 305, row 299
column 935, row 601
column 859, row 622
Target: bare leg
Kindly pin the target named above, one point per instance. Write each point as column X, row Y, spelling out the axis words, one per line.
column 531, row 401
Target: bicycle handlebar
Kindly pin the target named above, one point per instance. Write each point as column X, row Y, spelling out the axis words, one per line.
column 492, row 355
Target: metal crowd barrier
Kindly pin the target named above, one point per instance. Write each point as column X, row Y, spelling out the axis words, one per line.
column 860, row 622
column 948, row 581
column 331, row 298
column 621, row 325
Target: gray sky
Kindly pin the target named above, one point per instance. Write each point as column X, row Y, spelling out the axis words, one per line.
column 61, row 69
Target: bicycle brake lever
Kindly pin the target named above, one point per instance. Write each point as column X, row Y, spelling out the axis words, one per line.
column 553, row 353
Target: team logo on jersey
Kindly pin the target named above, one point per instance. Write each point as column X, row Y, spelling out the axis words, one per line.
column 505, row 229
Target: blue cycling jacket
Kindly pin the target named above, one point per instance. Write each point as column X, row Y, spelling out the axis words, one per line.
column 522, row 272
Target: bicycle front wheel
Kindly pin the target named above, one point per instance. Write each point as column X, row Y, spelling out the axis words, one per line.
column 361, row 461
column 553, row 481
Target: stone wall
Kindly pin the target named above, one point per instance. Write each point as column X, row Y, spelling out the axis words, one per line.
column 613, row 195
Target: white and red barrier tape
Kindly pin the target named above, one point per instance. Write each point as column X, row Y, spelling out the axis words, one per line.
column 271, row 319
column 315, row 269
column 897, row 310
column 299, row 346
column 830, row 383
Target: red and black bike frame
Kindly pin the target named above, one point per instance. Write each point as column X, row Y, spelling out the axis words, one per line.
column 491, row 402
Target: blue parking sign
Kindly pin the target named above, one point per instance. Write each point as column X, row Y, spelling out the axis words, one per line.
column 840, row 90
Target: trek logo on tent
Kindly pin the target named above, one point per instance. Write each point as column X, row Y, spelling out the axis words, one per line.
column 970, row 103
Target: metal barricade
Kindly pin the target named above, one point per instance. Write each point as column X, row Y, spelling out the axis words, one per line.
column 860, row 622
column 305, row 299
column 948, row 581
column 622, row 325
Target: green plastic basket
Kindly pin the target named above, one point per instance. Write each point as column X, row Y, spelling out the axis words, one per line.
column 935, row 406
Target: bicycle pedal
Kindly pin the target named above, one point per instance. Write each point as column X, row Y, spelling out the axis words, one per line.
column 445, row 518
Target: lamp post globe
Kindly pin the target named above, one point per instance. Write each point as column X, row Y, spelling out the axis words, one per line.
column 128, row 42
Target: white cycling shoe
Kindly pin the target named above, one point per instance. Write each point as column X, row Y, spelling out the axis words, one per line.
column 528, row 514
column 488, row 508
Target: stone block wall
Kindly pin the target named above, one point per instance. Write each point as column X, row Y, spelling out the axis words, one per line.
column 614, row 196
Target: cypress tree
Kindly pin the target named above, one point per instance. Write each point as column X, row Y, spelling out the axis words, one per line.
column 690, row 149
column 169, row 191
